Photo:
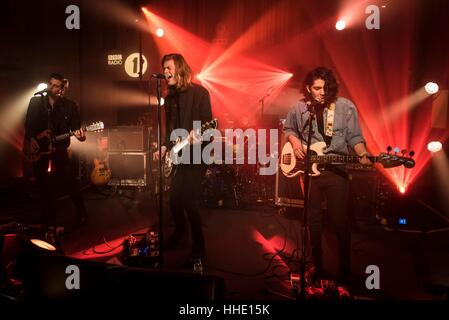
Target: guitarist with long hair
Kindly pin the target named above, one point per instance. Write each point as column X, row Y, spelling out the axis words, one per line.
column 336, row 124
column 185, row 102
column 49, row 115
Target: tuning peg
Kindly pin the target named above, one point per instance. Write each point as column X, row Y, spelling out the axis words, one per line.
column 403, row 151
column 396, row 150
column 411, row 153
column 389, row 149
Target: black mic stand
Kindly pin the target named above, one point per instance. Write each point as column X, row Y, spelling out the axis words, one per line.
column 307, row 166
column 307, row 170
column 160, row 188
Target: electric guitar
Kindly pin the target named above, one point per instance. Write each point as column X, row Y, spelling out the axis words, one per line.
column 45, row 141
column 169, row 163
column 291, row 166
column 101, row 174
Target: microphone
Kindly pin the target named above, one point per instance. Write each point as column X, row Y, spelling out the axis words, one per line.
column 159, row 76
column 41, row 92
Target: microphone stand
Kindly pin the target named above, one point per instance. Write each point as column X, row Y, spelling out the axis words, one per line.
column 159, row 144
column 307, row 165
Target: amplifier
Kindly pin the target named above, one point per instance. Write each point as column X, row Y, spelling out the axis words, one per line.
column 288, row 191
column 128, row 138
column 128, row 168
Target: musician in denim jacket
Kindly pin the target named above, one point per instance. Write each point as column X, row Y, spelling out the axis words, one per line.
column 336, row 123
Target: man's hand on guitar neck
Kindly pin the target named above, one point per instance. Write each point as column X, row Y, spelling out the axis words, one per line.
column 194, row 138
column 79, row 134
column 360, row 149
column 156, row 154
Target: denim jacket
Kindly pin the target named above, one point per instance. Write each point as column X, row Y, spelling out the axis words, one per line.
column 346, row 127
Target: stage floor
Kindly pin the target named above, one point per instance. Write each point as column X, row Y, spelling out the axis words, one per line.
column 252, row 248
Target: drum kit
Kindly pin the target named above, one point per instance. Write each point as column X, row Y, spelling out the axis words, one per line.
column 234, row 185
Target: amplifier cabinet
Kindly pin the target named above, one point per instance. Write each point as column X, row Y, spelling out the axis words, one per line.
column 128, row 168
column 128, row 139
column 288, row 191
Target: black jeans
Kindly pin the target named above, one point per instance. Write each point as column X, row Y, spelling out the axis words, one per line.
column 335, row 188
column 185, row 194
column 62, row 177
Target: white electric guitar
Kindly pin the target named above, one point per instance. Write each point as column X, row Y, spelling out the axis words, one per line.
column 169, row 163
column 291, row 166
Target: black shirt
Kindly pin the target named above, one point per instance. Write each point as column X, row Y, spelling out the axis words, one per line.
column 184, row 107
column 62, row 118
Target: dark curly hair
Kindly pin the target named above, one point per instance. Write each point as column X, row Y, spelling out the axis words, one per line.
column 330, row 84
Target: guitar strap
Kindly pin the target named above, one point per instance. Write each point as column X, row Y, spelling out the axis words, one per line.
column 330, row 120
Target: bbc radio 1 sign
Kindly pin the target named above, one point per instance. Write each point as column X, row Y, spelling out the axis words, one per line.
column 131, row 64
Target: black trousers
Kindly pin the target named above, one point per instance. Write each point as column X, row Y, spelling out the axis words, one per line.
column 335, row 188
column 185, row 195
column 62, row 177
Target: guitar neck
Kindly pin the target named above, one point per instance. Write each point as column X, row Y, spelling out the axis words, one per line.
column 66, row 135
column 327, row 159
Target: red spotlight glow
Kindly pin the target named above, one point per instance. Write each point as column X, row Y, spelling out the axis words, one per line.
column 226, row 73
column 340, row 25
column 402, row 189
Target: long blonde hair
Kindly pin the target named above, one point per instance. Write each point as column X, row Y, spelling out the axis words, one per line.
column 183, row 71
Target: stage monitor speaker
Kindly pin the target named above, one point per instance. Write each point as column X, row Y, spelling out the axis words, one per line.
column 46, row 278
column 128, row 138
column 128, row 168
column 289, row 191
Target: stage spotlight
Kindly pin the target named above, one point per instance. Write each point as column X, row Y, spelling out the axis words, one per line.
column 402, row 189
column 434, row 146
column 431, row 87
column 162, row 101
column 41, row 86
column 14, row 249
column 199, row 76
column 160, row 32
column 43, row 244
column 340, row 25
column 290, row 75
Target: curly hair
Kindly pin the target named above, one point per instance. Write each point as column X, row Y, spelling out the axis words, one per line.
column 183, row 71
column 330, row 84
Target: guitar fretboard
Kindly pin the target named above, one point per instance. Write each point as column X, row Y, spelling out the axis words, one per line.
column 287, row 158
column 339, row 159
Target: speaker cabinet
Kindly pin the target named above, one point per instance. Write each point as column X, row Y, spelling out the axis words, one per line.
column 128, row 139
column 288, row 191
column 46, row 278
column 128, row 168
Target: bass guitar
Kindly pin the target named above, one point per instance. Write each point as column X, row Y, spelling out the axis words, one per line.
column 291, row 166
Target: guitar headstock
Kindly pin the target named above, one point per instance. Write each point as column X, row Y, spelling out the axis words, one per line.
column 213, row 124
column 391, row 160
column 95, row 127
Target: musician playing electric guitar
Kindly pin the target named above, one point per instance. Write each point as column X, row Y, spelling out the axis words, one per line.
column 186, row 102
column 336, row 123
column 51, row 114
